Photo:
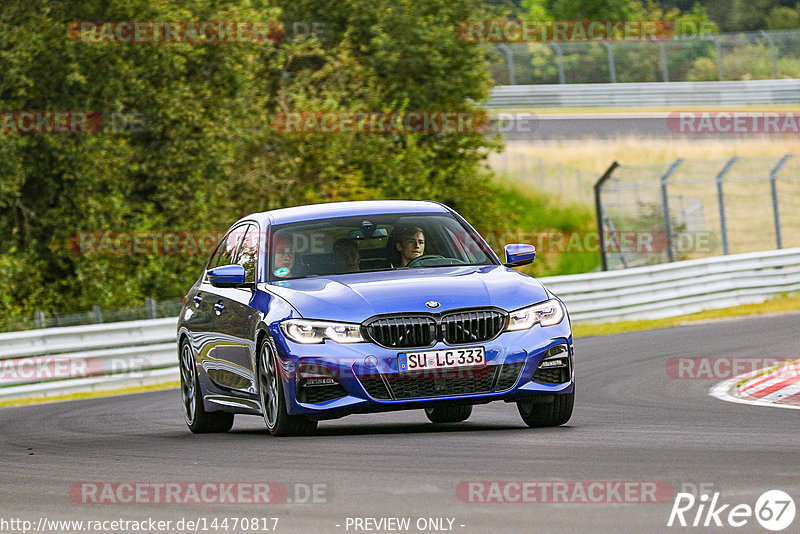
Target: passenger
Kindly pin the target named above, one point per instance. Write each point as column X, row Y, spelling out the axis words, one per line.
column 348, row 257
column 283, row 263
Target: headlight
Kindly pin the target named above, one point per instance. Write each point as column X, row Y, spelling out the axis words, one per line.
column 546, row 314
column 305, row 331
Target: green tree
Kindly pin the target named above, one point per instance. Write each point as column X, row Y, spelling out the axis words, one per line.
column 750, row 15
column 784, row 18
column 211, row 152
column 582, row 9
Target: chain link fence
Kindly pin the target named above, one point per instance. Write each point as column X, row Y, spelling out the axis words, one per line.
column 715, row 207
column 695, row 208
column 707, row 57
column 152, row 309
column 569, row 183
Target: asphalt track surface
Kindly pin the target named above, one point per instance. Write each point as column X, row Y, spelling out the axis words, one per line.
column 566, row 126
column 632, row 422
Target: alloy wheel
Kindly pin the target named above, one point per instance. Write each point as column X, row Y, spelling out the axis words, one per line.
column 188, row 383
column 268, row 386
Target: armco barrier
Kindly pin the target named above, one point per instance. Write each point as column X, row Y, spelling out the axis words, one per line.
column 145, row 352
column 678, row 95
column 73, row 338
column 104, row 356
column 671, row 289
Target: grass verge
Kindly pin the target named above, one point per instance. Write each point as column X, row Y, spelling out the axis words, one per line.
column 776, row 305
column 91, row 394
column 594, row 156
column 536, row 218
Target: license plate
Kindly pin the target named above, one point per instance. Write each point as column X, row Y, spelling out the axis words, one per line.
column 441, row 359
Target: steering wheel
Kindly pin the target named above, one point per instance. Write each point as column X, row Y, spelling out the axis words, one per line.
column 420, row 259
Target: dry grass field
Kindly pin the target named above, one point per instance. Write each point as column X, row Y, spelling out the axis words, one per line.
column 595, row 156
column 568, row 170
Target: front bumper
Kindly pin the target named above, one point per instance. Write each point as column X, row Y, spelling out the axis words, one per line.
column 364, row 377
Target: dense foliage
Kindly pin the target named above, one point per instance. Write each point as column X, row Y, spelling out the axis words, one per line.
column 210, row 152
column 743, row 53
column 728, row 15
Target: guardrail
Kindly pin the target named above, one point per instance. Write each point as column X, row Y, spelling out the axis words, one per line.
column 650, row 94
column 60, row 361
column 671, row 289
column 78, row 359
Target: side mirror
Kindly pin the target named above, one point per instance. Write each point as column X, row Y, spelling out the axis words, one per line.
column 227, row 276
column 518, row 255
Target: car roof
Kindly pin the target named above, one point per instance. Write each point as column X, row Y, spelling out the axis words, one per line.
column 344, row 209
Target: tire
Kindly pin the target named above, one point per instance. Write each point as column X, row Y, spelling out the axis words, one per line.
column 554, row 413
column 448, row 414
column 273, row 401
column 197, row 418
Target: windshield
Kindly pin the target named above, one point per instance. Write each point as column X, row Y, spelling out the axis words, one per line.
column 380, row 242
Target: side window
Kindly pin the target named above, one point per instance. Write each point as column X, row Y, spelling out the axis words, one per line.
column 212, row 261
column 226, row 250
column 247, row 255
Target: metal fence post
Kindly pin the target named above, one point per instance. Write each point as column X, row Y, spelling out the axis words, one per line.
column 772, row 56
column 39, row 320
column 512, row 77
column 98, row 313
column 723, row 225
column 598, row 207
column 562, row 79
column 663, row 53
column 665, row 204
column 611, row 67
column 720, row 66
column 773, row 183
column 150, row 305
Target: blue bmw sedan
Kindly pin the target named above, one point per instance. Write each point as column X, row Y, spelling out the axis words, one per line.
column 316, row 312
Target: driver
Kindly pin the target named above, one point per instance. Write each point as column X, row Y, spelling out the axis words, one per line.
column 410, row 243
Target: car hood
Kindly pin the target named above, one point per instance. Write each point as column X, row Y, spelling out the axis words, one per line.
column 355, row 297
